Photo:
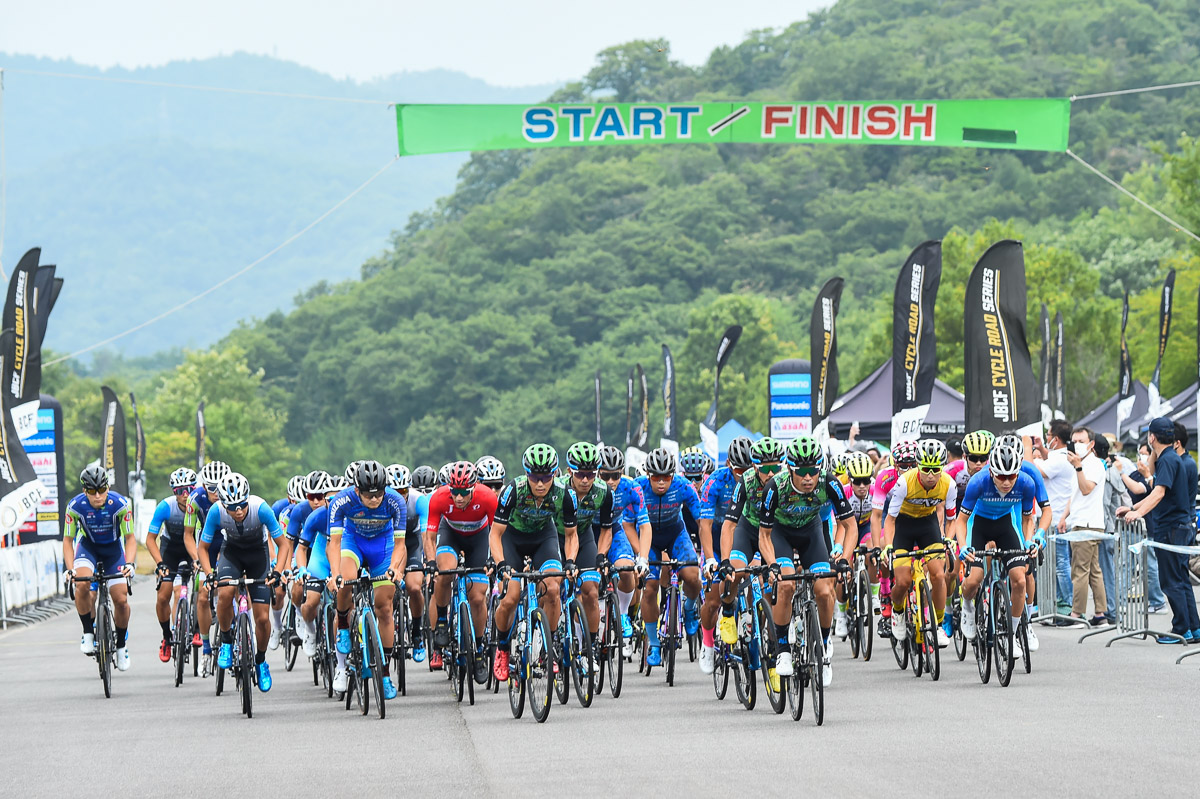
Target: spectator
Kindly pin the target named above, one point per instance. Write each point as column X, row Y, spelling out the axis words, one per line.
column 1116, row 495
column 1171, row 503
column 1051, row 460
column 1139, row 482
column 1085, row 514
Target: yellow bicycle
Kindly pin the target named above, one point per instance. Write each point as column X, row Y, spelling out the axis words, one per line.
column 920, row 646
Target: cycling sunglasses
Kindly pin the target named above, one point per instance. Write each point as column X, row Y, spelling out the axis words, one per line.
column 94, row 492
column 861, row 481
column 666, row 476
column 236, row 506
column 1004, row 477
column 314, row 497
column 585, row 474
column 606, row 476
column 540, row 478
column 460, row 492
column 768, row 468
column 373, row 494
column 804, row 471
column 930, row 469
column 977, row 458
column 179, row 492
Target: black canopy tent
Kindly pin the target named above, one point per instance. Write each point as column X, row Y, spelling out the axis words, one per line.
column 1182, row 408
column 1103, row 418
column 870, row 404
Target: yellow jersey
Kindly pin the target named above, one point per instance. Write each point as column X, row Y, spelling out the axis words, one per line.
column 909, row 498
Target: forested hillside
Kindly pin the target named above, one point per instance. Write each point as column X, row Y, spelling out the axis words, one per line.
column 480, row 329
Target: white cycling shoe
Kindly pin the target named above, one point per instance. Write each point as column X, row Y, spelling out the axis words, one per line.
column 341, row 679
column 123, row 659
column 87, row 644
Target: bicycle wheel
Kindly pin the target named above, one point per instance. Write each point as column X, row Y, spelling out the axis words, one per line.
column 743, row 677
column 104, row 644
column 671, row 643
column 193, row 627
column 400, row 647
column 1002, row 620
column 492, row 637
column 561, row 679
column 982, row 641
column 466, row 654
column 451, row 660
column 540, row 667
column 933, row 661
column 865, row 616
column 516, row 677
column 899, row 649
column 375, row 661
column 721, row 669
column 794, row 685
column 960, row 640
column 583, row 666
column 180, row 635
column 328, row 647
column 767, row 645
column 245, row 664
column 291, row 646
column 912, row 623
column 1023, row 632
column 816, row 663
column 614, row 643
column 853, row 617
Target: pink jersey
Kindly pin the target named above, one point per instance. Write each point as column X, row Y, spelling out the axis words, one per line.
column 884, row 481
column 955, row 467
column 861, row 508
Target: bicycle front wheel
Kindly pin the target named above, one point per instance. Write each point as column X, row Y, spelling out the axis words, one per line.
column 104, row 645
column 540, row 664
column 562, row 664
column 1002, row 621
column 912, row 622
column 245, row 664
column 767, row 644
column 614, row 644
column 583, row 667
column 816, row 663
column 181, row 634
column 743, row 677
column 933, row 661
column 982, row 641
column 671, row 643
column 794, row 685
column 864, row 616
column 375, row 660
column 721, row 669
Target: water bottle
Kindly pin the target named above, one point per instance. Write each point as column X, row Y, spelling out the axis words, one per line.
column 798, row 629
column 747, row 623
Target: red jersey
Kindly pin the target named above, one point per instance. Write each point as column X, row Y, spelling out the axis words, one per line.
column 475, row 518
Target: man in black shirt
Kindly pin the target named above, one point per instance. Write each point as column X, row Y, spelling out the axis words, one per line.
column 1171, row 504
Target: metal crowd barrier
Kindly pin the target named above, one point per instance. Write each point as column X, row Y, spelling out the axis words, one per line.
column 1132, row 579
column 31, row 587
column 1047, row 588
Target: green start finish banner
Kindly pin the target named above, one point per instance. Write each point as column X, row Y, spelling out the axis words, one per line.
column 1038, row 124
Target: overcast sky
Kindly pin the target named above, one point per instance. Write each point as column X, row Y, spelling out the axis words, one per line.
column 506, row 43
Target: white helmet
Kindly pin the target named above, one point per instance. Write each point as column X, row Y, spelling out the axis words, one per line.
column 490, row 469
column 399, row 477
column 212, row 473
column 295, row 488
column 233, row 488
column 316, row 482
column 181, row 477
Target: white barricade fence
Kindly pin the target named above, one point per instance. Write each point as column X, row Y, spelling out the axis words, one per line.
column 30, row 582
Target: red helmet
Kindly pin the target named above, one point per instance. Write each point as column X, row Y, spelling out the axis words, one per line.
column 462, row 474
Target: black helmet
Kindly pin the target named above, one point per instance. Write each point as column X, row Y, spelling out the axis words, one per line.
column 94, row 478
column 660, row 461
column 424, row 478
column 611, row 459
column 370, row 476
column 739, row 453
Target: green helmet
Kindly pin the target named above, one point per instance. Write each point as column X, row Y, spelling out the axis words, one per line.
column 766, row 450
column 540, row 459
column 805, row 451
column 582, row 455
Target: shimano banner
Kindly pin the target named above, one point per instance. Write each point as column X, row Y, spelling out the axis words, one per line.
column 822, row 337
column 789, row 399
column 914, row 342
column 997, row 373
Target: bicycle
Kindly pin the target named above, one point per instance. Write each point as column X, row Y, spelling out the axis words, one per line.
column 576, row 656
column 460, row 653
column 291, row 641
column 244, row 672
column 954, row 606
column 670, row 616
column 401, row 646
column 364, row 663
column 181, row 627
column 532, row 663
column 808, row 645
column 859, row 613
column 610, row 642
column 324, row 661
column 994, row 635
column 920, row 617
column 105, row 634
column 743, row 658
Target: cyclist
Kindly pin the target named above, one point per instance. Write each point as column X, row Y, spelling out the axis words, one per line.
column 790, row 520
column 282, row 508
column 858, row 494
column 915, row 503
column 998, row 507
column 166, row 545
column 594, row 520
column 694, row 465
column 715, row 496
column 199, row 502
column 491, row 472
column 313, row 556
column 903, row 457
column 629, row 509
column 400, row 481
column 246, row 522
column 313, row 488
column 1042, row 527
column 531, row 512
column 740, row 534
column 99, row 529
column 839, row 469
column 367, row 525
column 460, row 514
column 667, row 496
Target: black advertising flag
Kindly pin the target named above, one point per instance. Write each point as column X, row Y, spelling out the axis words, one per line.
column 643, row 428
column 20, row 489
column 201, row 435
column 1057, row 398
column 670, row 422
column 1164, row 332
column 724, row 348
column 997, row 372
column 23, row 354
column 822, row 332
column 599, row 438
column 914, row 342
column 45, row 292
column 629, row 410
column 1047, row 371
column 113, row 443
column 139, row 457
column 1125, row 373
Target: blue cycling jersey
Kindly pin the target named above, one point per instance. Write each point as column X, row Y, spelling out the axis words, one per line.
column 348, row 514
column 984, row 500
column 110, row 522
column 199, row 502
column 167, row 521
column 250, row 533
column 1039, row 484
column 422, row 505
column 717, row 492
column 315, row 532
column 629, row 503
column 298, row 514
column 666, row 511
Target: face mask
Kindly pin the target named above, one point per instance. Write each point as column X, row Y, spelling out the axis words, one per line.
column 1142, row 458
column 1081, row 448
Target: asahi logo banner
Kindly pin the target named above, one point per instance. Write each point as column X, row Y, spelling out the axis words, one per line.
column 1000, row 391
column 823, row 345
column 914, row 343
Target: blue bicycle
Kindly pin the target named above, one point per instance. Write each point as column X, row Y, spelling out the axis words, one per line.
column 531, row 667
column 576, row 654
column 461, row 654
column 364, row 664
